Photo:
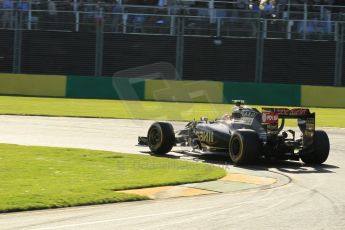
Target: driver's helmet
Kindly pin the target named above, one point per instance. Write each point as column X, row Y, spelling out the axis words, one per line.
column 237, row 108
column 236, row 111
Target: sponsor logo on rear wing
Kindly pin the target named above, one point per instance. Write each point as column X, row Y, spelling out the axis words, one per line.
column 289, row 113
column 269, row 117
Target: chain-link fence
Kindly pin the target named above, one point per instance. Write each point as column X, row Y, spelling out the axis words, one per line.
column 75, row 39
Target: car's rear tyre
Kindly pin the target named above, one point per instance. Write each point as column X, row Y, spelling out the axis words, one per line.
column 321, row 149
column 161, row 137
column 244, row 147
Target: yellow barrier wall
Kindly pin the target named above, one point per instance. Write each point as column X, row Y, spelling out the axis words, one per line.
column 33, row 85
column 184, row 91
column 323, row 96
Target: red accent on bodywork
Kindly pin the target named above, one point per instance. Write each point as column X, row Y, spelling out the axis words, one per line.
column 288, row 112
column 298, row 112
column 270, row 117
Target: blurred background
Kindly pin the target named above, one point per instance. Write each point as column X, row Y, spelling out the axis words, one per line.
column 272, row 41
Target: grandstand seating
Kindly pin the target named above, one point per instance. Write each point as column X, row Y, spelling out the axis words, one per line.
column 315, row 19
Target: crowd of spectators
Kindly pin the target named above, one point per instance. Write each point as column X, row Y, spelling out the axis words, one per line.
column 264, row 5
column 54, row 11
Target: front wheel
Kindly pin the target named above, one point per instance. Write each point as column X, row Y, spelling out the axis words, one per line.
column 244, row 147
column 321, row 149
column 161, row 137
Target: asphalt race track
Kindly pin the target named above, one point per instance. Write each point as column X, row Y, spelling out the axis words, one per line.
column 310, row 197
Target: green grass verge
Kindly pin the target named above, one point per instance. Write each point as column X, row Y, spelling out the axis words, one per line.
column 44, row 177
column 138, row 109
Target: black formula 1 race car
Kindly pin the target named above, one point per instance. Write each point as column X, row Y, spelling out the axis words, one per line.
column 246, row 135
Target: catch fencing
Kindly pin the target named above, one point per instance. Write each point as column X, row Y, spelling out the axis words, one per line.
column 296, row 46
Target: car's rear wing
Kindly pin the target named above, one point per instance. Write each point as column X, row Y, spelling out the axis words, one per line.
column 290, row 113
column 306, row 121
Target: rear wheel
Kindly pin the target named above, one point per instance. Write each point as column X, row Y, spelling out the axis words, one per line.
column 161, row 137
column 244, row 147
column 321, row 149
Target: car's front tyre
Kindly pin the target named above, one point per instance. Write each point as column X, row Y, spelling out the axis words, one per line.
column 161, row 137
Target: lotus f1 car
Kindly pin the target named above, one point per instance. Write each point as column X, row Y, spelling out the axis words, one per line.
column 246, row 135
